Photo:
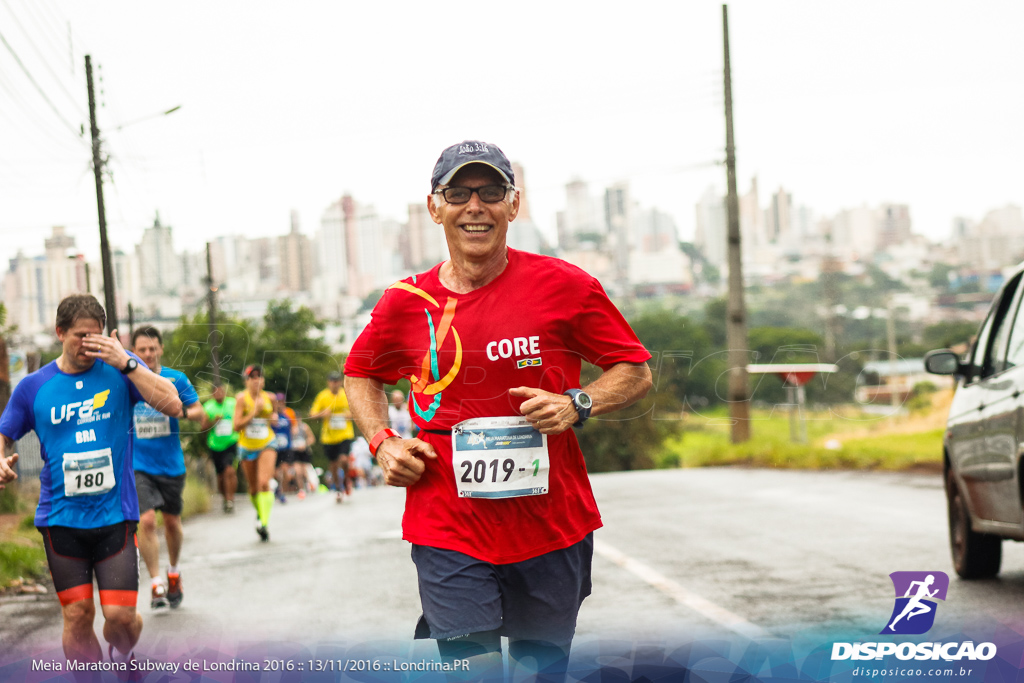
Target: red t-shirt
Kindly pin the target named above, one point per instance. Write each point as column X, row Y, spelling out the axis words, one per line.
column 530, row 327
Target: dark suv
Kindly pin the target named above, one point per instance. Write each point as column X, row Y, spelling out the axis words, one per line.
column 984, row 437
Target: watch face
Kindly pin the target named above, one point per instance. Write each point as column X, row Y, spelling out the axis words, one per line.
column 584, row 400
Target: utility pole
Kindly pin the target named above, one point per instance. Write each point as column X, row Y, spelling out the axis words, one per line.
column 97, row 167
column 211, row 300
column 890, row 333
column 736, row 314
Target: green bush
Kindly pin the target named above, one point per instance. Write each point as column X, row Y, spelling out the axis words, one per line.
column 21, row 560
column 10, row 501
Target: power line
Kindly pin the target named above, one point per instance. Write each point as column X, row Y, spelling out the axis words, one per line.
column 54, row 40
column 46, row 130
column 56, row 111
column 43, row 59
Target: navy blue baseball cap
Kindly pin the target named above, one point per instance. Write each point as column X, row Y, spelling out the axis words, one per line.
column 470, row 152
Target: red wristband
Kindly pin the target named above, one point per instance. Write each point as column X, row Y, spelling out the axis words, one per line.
column 379, row 437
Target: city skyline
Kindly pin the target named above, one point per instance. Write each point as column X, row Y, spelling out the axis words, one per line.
column 840, row 105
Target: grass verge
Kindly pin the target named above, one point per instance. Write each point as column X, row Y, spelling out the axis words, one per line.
column 21, row 546
column 834, row 441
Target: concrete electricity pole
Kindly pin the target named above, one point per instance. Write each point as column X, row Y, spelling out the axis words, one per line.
column 736, row 323
column 97, row 168
column 211, row 301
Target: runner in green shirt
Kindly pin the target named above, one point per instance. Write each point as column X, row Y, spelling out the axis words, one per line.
column 222, row 442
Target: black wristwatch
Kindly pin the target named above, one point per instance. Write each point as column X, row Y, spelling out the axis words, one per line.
column 582, row 402
column 130, row 365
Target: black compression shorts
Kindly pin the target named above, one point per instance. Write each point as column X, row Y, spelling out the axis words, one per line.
column 225, row 458
column 333, row 451
column 110, row 551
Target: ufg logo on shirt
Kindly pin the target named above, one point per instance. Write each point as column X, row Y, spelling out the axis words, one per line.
column 916, row 593
column 84, row 409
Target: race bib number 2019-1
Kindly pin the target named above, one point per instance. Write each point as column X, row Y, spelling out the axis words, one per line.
column 499, row 457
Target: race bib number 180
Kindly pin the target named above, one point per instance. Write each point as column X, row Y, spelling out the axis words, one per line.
column 89, row 473
column 499, row 457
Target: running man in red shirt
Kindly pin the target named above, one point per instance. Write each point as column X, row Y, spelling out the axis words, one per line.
column 492, row 343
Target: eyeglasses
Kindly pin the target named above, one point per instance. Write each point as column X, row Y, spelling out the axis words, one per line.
column 489, row 194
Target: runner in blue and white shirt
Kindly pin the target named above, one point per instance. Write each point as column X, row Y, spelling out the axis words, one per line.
column 160, row 472
column 80, row 407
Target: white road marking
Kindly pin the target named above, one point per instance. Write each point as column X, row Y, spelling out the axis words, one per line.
column 684, row 597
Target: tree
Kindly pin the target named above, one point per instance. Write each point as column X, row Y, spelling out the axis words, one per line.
column 295, row 359
column 948, row 334
column 188, row 348
column 685, row 363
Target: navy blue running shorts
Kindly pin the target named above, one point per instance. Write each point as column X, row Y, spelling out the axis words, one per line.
column 160, row 493
column 536, row 599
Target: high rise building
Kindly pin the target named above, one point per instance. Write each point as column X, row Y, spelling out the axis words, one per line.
column 34, row 286
column 582, row 222
column 332, row 254
column 427, row 245
column 296, row 259
column 779, row 219
column 752, row 228
column 997, row 241
column 854, row 233
column 158, row 265
column 893, row 224
column 712, row 224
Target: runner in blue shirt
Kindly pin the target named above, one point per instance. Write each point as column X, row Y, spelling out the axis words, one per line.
column 160, row 472
column 80, row 407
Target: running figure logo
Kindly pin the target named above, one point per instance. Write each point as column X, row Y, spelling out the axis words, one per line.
column 916, row 592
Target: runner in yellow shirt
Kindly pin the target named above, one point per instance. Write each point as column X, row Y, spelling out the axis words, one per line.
column 331, row 406
column 253, row 408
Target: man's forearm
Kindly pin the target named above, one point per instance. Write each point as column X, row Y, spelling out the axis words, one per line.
column 195, row 413
column 619, row 387
column 368, row 404
column 157, row 391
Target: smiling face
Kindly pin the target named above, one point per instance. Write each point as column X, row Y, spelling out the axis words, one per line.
column 150, row 350
column 475, row 230
column 72, row 339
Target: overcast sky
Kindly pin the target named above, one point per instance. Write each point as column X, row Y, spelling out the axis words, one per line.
column 290, row 105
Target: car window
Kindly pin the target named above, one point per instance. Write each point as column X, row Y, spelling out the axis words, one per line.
column 980, row 345
column 994, row 359
column 1015, row 346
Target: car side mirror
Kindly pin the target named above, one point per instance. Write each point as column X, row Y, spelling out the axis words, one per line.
column 943, row 362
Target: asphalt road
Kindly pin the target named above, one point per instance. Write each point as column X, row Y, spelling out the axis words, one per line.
column 684, row 554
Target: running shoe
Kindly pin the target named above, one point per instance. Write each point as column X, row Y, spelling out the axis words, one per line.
column 229, row 506
column 118, row 657
column 302, row 494
column 158, row 599
column 130, row 672
column 280, row 497
column 174, row 593
column 337, row 498
column 262, row 530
